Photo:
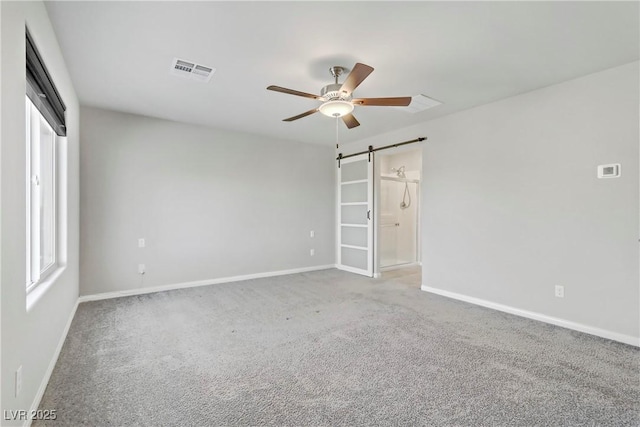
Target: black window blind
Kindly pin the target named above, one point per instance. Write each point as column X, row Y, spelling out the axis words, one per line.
column 41, row 90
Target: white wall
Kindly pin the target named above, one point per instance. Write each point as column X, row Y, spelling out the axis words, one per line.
column 31, row 338
column 210, row 203
column 512, row 206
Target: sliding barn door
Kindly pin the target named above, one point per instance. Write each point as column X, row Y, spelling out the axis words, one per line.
column 355, row 196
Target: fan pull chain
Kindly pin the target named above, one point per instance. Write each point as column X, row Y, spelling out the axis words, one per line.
column 337, row 127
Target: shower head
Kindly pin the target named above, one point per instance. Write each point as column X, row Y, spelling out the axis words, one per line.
column 399, row 172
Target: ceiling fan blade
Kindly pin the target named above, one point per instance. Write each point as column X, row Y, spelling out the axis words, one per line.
column 383, row 102
column 299, row 116
column 292, row 92
column 355, row 77
column 350, row 121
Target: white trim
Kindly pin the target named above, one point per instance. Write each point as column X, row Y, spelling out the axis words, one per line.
column 142, row 291
column 357, row 181
column 36, row 292
column 52, row 365
column 362, row 248
column 351, row 269
column 603, row 333
column 392, row 178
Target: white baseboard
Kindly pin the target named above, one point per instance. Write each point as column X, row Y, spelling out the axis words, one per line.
column 615, row 336
column 52, row 365
column 141, row 291
column 350, row 269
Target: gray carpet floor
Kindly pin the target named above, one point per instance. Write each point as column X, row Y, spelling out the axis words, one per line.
column 329, row 348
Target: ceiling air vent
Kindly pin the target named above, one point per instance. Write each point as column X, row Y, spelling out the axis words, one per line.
column 421, row 103
column 191, row 70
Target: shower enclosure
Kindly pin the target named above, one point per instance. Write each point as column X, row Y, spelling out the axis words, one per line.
column 398, row 225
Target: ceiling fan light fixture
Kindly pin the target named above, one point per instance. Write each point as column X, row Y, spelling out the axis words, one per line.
column 337, row 99
column 336, row 108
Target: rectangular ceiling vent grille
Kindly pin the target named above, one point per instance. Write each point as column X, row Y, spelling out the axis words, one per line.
column 421, row 103
column 191, row 70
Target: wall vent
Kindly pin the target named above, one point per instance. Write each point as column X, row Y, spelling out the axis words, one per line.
column 191, row 70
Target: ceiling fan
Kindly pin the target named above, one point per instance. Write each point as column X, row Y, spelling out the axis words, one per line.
column 337, row 99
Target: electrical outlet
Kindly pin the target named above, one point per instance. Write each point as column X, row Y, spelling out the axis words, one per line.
column 140, row 268
column 141, row 242
column 559, row 291
column 312, row 233
column 312, row 252
column 18, row 380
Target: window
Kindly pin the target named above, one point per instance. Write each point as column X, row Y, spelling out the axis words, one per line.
column 44, row 118
column 41, row 173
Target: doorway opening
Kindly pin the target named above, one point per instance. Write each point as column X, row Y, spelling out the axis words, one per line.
column 378, row 212
column 398, row 179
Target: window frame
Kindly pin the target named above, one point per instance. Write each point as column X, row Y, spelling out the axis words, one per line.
column 46, row 196
column 35, row 217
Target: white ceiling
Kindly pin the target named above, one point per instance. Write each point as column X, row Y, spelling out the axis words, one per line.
column 461, row 53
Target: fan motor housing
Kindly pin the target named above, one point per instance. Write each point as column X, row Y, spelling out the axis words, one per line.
column 332, row 92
